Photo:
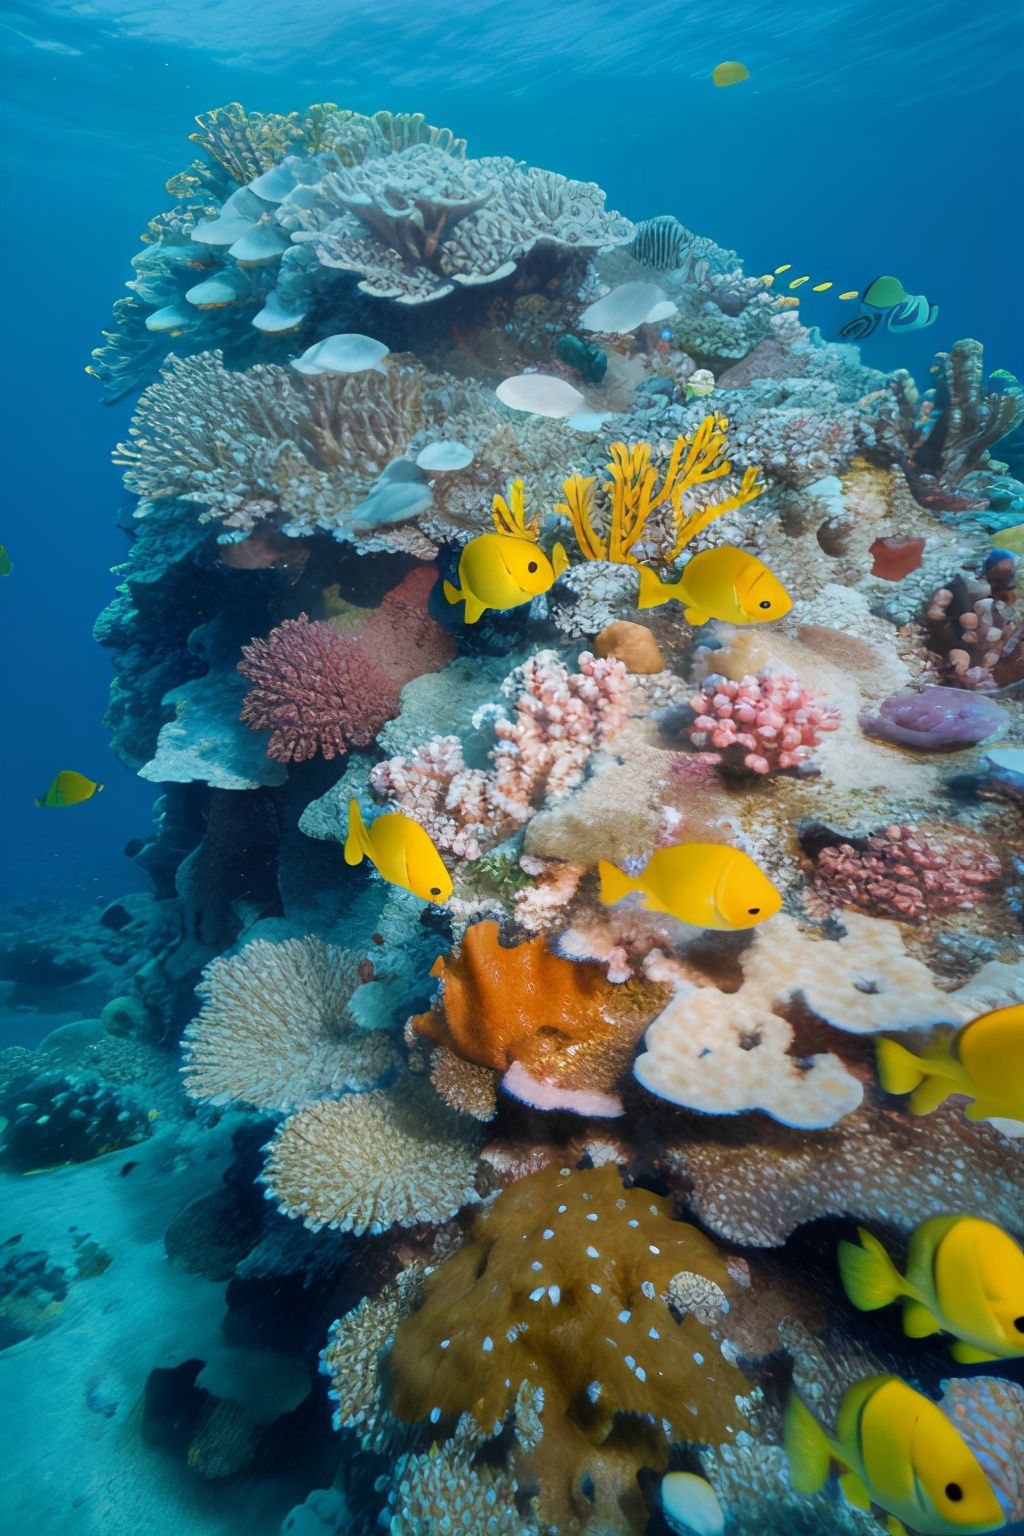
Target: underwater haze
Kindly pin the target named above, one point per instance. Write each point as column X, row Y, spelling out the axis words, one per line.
column 511, row 586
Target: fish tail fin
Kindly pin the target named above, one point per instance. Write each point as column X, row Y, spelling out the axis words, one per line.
column 869, row 1276
column 899, row 1070
column 807, row 1447
column 357, row 843
column 452, row 593
column 559, row 560
column 930, row 1093
column 614, row 883
column 653, row 591
column 969, row 1354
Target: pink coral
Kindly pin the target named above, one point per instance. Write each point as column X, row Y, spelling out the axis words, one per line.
column 320, row 692
column 974, row 631
column 559, row 718
column 904, row 872
column 766, row 723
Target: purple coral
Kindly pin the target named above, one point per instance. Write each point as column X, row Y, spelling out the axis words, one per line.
column 766, row 723
column 907, row 873
column 936, row 719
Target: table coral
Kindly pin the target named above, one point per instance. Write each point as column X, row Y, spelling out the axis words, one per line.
column 275, row 1029
column 560, row 1285
column 765, row 724
column 558, row 1029
column 910, row 872
column 320, row 693
column 371, row 1161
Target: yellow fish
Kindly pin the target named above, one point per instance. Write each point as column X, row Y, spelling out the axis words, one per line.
column 984, row 1061
column 708, row 885
column 400, row 851
column 6, row 563
column 69, row 788
column 897, row 1449
column 964, row 1276
column 1009, row 538
column 730, row 73
column 501, row 570
column 723, row 583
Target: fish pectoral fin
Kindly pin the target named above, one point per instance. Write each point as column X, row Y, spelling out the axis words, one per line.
column 451, row 592
column 929, row 1094
column 918, row 1321
column 696, row 616
column 969, row 1354
column 855, row 1490
column 474, row 608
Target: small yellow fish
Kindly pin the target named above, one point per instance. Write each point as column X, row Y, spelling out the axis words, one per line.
column 730, row 73
column 709, row 885
column 400, row 851
column 723, row 583
column 965, row 1276
column 1009, row 538
column 501, row 570
column 984, row 1061
column 897, row 1449
column 69, row 788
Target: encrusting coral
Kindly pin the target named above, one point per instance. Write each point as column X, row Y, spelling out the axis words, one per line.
column 275, row 1029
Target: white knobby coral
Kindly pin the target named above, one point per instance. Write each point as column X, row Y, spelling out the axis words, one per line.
column 275, row 1028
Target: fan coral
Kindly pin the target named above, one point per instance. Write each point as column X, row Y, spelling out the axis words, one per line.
column 765, row 724
column 632, row 495
column 275, row 1029
column 937, row 719
column 558, row 1028
column 942, row 438
column 320, row 692
column 726, row 1052
column 907, row 872
column 560, row 718
column 372, row 1161
column 52, row 1119
column 573, row 1329
column 975, row 633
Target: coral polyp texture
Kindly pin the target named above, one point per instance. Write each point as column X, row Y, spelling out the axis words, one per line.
column 490, row 1148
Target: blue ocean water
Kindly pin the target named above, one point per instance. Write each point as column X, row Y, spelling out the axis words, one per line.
column 870, row 138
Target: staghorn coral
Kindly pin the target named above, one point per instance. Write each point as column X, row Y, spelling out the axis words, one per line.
column 879, row 1165
column 558, row 1029
column 974, row 632
column 542, row 750
column 913, row 873
column 275, row 1029
column 765, row 724
column 629, row 500
column 727, row 1052
column 372, row 1161
column 318, row 692
column 567, row 1330
column 944, row 436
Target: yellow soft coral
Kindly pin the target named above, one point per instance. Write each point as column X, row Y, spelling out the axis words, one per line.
column 633, row 495
column 510, row 516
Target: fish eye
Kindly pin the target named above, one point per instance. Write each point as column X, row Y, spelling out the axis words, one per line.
column 954, row 1493
column 765, row 604
column 1018, row 1323
column 532, row 567
column 753, row 911
column 435, row 890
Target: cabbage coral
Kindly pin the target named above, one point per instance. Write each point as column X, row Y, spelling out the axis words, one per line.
column 275, row 1029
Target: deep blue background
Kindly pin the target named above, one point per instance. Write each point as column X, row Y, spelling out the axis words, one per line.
column 870, row 138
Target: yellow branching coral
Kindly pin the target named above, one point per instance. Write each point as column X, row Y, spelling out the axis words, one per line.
column 633, row 496
column 510, row 516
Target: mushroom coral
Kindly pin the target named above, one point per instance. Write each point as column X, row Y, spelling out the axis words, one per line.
column 558, row 1028
column 557, row 1299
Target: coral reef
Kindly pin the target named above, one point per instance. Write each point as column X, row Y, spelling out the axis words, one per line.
column 765, row 724
column 973, row 631
column 53, row 1119
column 909, row 872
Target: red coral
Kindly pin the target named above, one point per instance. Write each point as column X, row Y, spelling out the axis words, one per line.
column 765, row 723
column 904, row 873
column 317, row 691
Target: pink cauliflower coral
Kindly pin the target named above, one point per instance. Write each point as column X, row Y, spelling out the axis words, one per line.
column 766, row 723
column 320, row 692
column 907, row 872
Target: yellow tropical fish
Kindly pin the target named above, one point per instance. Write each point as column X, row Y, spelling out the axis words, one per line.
column 69, row 788
column 964, row 1276
column 723, row 583
column 732, row 72
column 501, row 570
column 897, row 1449
column 1009, row 538
column 984, row 1061
column 708, row 885
column 400, row 851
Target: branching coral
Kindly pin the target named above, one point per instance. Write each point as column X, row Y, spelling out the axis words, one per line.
column 765, row 724
column 941, row 438
column 275, row 1029
column 633, row 495
column 318, row 692
column 372, row 1161
column 558, row 1029
column 553, row 1311
column 560, row 718
column 908, row 872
